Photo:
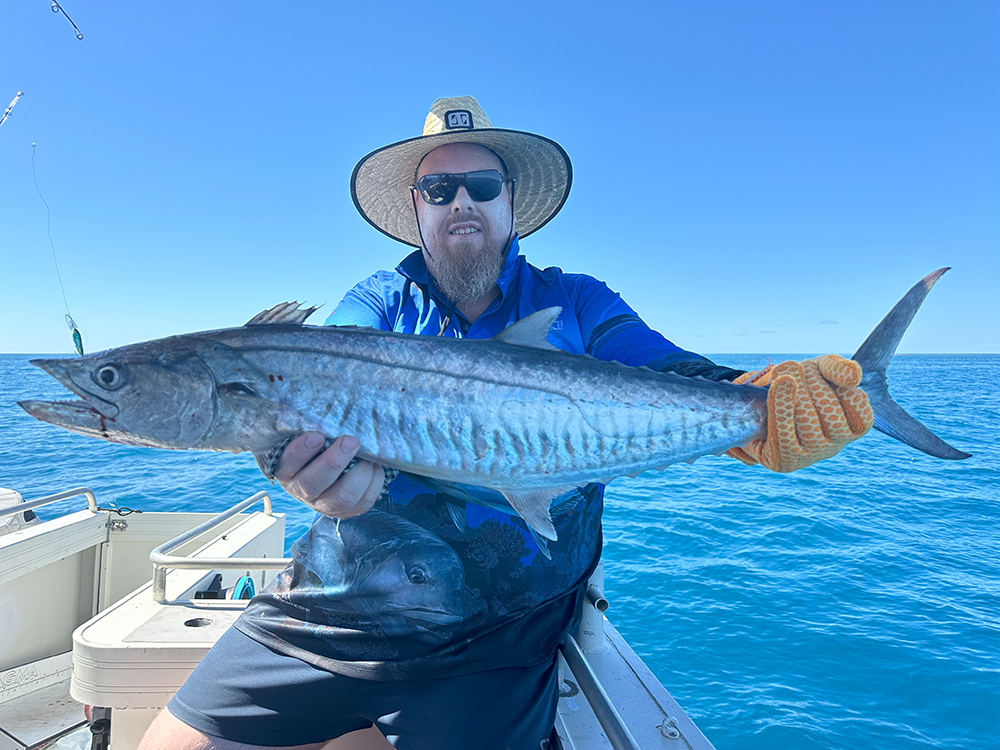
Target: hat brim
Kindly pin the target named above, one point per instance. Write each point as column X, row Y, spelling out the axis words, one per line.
column 381, row 180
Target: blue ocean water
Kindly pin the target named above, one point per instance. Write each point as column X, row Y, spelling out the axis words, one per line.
column 851, row 604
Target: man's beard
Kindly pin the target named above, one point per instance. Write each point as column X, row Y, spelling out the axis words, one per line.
column 464, row 275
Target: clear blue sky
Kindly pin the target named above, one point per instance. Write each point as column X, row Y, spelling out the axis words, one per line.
column 751, row 176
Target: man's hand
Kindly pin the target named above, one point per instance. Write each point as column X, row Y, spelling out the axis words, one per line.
column 814, row 408
column 319, row 481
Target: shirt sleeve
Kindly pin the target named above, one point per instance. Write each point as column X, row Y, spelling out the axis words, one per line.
column 614, row 332
column 364, row 305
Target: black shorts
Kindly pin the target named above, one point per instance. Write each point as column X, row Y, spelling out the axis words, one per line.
column 245, row 692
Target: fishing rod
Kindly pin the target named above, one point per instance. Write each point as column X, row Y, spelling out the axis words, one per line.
column 10, row 107
column 57, row 8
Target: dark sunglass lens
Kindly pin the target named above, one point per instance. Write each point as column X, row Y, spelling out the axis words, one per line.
column 436, row 189
column 440, row 189
column 484, row 186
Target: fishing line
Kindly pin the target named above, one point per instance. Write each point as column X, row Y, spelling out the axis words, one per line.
column 77, row 338
column 55, row 7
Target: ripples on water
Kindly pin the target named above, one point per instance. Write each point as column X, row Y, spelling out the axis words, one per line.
column 852, row 604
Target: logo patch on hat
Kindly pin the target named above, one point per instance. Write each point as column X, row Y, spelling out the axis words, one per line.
column 458, row 119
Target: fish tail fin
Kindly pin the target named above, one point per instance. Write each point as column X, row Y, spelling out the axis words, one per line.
column 874, row 355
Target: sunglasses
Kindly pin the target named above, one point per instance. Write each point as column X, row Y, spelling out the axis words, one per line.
column 440, row 189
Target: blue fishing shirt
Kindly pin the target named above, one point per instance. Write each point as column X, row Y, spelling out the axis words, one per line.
column 594, row 320
column 433, row 581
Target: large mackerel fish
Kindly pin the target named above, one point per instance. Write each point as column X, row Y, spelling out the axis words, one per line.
column 512, row 413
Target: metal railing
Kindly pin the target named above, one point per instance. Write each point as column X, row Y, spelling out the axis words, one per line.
column 611, row 721
column 162, row 561
column 590, row 639
column 48, row 499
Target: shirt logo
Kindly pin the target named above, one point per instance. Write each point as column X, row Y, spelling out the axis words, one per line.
column 458, row 119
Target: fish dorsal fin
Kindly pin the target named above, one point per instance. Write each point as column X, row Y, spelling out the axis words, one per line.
column 531, row 331
column 287, row 313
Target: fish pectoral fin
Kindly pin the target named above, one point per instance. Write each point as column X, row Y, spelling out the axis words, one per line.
column 533, row 507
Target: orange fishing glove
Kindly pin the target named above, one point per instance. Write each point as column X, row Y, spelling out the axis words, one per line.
column 814, row 409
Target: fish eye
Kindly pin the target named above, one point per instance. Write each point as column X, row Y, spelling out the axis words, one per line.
column 109, row 377
column 416, row 575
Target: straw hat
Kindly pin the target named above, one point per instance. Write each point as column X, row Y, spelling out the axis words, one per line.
column 380, row 182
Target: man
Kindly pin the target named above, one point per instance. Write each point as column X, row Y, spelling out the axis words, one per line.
column 431, row 610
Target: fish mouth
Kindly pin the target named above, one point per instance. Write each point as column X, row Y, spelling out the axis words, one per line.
column 90, row 402
column 75, row 416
